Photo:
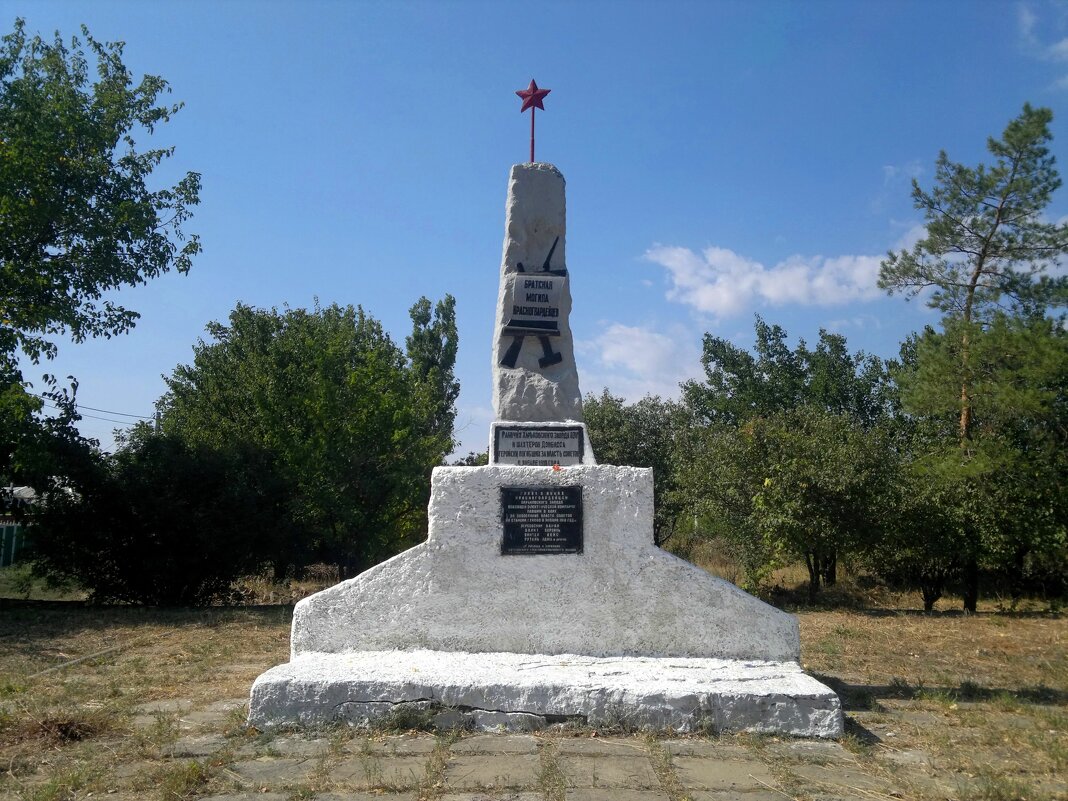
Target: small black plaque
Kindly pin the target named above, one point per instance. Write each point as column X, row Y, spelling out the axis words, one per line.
column 541, row 520
column 538, row 446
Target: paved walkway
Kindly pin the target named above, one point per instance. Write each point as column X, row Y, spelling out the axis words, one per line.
column 344, row 765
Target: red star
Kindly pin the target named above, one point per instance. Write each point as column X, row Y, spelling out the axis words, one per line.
column 532, row 96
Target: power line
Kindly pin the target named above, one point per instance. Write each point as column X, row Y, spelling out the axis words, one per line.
column 97, row 417
column 102, row 411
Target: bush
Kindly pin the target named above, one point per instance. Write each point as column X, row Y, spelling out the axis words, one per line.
column 162, row 523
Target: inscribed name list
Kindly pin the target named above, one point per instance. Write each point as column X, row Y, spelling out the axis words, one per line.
column 534, row 304
column 541, row 520
column 528, row 446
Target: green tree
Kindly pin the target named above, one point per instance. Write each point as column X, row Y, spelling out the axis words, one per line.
column 753, row 391
column 161, row 522
column 1007, row 486
column 739, row 385
column 78, row 218
column 801, row 484
column 351, row 423
column 642, row 434
column 988, row 251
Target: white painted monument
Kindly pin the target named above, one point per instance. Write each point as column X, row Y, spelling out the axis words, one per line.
column 539, row 596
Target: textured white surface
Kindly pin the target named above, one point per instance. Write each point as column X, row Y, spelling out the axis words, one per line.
column 621, row 596
column 534, row 218
column 518, row 691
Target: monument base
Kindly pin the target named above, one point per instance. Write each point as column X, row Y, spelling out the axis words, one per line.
column 509, row 691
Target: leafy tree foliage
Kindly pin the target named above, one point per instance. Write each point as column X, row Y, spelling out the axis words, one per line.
column 739, row 385
column 988, row 246
column 1006, row 488
column 77, row 220
column 783, row 455
column 351, row 423
column 986, row 260
column 161, row 522
column 801, row 484
column 642, row 434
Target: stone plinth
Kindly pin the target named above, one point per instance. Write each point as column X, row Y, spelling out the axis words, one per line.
column 521, row 691
column 621, row 596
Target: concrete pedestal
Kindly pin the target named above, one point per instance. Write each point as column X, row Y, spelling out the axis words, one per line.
column 528, row 692
column 622, row 628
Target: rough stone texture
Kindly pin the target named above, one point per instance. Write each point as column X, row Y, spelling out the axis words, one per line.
column 534, row 218
column 621, row 596
column 679, row 693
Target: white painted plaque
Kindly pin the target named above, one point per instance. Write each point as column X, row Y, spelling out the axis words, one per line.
column 534, row 304
column 530, row 446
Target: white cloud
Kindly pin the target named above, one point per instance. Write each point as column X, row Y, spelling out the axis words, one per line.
column 894, row 173
column 861, row 321
column 914, row 234
column 1026, row 20
column 1029, row 28
column 723, row 283
column 635, row 361
column 1058, row 51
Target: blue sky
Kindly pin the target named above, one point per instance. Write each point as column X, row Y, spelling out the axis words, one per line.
column 722, row 159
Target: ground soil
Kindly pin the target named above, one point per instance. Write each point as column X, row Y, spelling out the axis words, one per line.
column 939, row 706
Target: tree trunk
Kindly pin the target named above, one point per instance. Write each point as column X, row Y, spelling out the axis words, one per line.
column 812, row 561
column 1016, row 576
column 830, row 568
column 931, row 587
column 970, row 590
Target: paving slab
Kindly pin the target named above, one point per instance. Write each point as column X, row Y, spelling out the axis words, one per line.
column 616, row 794
column 244, row 797
column 297, row 746
column 837, row 778
column 706, row 748
column 496, row 744
column 490, row 795
column 269, row 771
column 633, row 772
column 195, row 746
column 812, row 750
column 227, row 704
column 762, row 794
column 381, row 771
column 360, row 796
column 399, row 744
column 602, row 746
column 721, row 775
column 477, row 772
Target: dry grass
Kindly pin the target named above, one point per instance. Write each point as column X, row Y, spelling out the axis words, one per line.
column 975, row 705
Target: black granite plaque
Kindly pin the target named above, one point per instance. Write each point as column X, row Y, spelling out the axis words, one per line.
column 541, row 520
column 538, row 446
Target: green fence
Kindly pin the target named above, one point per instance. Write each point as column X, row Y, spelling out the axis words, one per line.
column 12, row 540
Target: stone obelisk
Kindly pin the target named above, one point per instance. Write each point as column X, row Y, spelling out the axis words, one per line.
column 539, row 595
column 534, row 374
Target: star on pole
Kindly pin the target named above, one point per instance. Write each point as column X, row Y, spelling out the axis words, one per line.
column 532, row 97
